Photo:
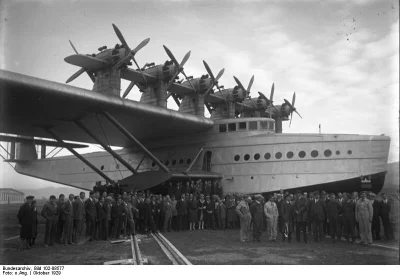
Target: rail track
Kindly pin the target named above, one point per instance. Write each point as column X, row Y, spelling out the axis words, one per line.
column 170, row 250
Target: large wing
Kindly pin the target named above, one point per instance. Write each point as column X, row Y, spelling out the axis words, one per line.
column 28, row 105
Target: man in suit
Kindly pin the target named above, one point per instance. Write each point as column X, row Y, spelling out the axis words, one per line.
column 364, row 214
column 300, row 216
column 50, row 213
column 256, row 210
column 348, row 214
column 279, row 203
column 180, row 208
column 340, row 200
column 376, row 224
column 79, row 216
column 102, row 219
column 355, row 198
column 61, row 217
column 69, row 220
column 271, row 213
column 107, row 210
column 243, row 211
column 117, row 211
column 333, row 210
column 287, row 218
column 167, row 208
column 318, row 215
column 384, row 213
column 90, row 211
column 210, row 213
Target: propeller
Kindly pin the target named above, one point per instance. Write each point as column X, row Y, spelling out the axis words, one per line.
column 248, row 88
column 80, row 71
column 132, row 53
column 178, row 67
column 292, row 108
column 214, row 80
column 270, row 101
column 128, row 89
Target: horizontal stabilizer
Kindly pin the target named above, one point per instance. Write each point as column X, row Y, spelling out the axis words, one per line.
column 5, row 138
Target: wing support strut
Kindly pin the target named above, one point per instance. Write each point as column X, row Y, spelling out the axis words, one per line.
column 194, row 160
column 80, row 157
column 107, row 148
column 134, row 140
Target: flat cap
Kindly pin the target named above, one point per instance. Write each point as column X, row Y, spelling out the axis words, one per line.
column 30, row 197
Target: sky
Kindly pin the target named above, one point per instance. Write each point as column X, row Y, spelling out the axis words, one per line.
column 340, row 57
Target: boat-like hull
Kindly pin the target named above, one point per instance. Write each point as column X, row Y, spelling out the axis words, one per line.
column 251, row 162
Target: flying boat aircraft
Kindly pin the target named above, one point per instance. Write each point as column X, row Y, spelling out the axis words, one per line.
column 241, row 144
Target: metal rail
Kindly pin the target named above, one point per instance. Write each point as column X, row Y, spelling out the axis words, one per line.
column 137, row 256
column 170, row 250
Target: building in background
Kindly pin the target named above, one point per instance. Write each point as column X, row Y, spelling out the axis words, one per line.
column 10, row 196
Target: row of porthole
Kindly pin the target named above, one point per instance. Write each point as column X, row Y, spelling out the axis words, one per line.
column 173, row 162
column 289, row 155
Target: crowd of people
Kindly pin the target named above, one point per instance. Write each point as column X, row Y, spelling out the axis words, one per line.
column 111, row 213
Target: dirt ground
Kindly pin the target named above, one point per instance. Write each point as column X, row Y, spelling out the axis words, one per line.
column 201, row 247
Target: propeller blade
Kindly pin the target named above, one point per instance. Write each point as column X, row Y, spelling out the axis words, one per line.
column 298, row 114
column 291, row 116
column 220, row 74
column 294, row 98
column 250, row 84
column 77, row 74
column 141, row 73
column 73, row 47
column 140, row 46
column 271, row 97
column 171, row 56
column 239, row 83
column 209, row 71
column 128, row 89
column 172, row 80
column 185, row 59
column 289, row 104
column 188, row 80
column 121, row 38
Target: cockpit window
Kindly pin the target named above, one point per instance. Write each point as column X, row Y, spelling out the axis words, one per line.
column 232, row 127
column 264, row 124
column 242, row 126
column 222, row 128
column 252, row 125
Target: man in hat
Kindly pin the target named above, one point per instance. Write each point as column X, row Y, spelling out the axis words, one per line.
column 364, row 215
column 117, row 211
column 384, row 213
column 318, row 215
column 69, row 218
column 256, row 210
column 243, row 211
column 231, row 211
column 376, row 224
column 26, row 219
column 50, row 212
column 300, row 216
column 210, row 213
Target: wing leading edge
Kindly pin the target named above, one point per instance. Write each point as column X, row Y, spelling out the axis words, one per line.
column 28, row 105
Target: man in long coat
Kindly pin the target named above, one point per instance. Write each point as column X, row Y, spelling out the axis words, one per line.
column 243, row 211
column 26, row 219
column 256, row 210
column 318, row 215
column 50, row 212
column 287, row 218
column 79, row 217
column 300, row 216
column 271, row 212
column 69, row 219
column 333, row 210
column 348, row 214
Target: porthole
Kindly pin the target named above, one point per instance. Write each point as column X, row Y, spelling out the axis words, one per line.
column 314, row 153
column 189, row 161
column 252, row 177
column 327, row 153
column 181, row 161
column 102, row 167
column 302, row 154
column 337, row 152
column 289, row 154
column 256, row 156
column 246, row 157
column 237, row 157
column 167, row 163
column 278, row 155
column 349, row 152
column 173, row 162
column 153, row 164
column 267, row 156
